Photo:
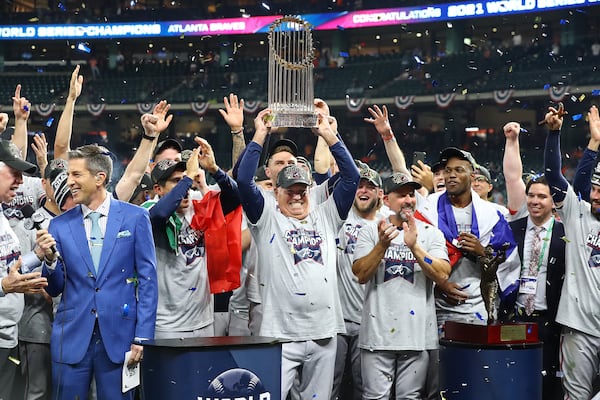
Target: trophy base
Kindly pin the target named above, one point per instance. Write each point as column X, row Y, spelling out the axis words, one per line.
column 294, row 120
column 497, row 333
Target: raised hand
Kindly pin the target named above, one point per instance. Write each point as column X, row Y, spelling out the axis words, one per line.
column 380, row 120
column 40, row 148
column 233, row 113
column 206, row 156
column 75, row 85
column 512, row 130
column 21, row 106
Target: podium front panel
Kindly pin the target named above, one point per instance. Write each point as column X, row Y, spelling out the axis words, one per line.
column 212, row 369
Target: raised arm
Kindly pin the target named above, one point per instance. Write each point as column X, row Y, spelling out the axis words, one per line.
column 40, row 148
column 552, row 156
column 582, row 181
column 234, row 117
column 64, row 130
column 512, row 167
column 253, row 201
column 153, row 125
column 230, row 196
column 381, row 122
column 21, row 109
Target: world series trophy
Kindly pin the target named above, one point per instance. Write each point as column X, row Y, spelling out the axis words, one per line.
column 291, row 89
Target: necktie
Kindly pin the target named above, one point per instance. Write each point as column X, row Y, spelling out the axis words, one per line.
column 536, row 247
column 96, row 239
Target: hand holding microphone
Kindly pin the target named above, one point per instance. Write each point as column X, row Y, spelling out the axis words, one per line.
column 43, row 239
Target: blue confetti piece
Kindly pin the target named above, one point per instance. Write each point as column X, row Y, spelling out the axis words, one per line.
column 529, row 329
column 478, row 315
column 577, row 117
column 523, row 130
column 341, row 28
column 596, row 92
column 49, row 122
column 546, row 86
column 193, row 289
column 434, row 83
column 428, row 260
column 412, row 312
column 272, row 237
column 564, row 21
column 26, row 108
column 300, row 294
column 125, row 309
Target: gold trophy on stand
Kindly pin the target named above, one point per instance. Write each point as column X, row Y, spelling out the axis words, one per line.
column 291, row 89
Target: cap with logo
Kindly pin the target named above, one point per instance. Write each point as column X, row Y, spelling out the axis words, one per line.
column 291, row 175
column 370, row 175
column 165, row 168
column 398, row 180
column 453, row 152
column 56, row 173
column 145, row 184
column 10, row 155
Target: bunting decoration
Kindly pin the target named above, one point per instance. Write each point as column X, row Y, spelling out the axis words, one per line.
column 557, row 93
column 96, row 109
column 354, row 105
column 443, row 100
column 44, row 109
column 501, row 97
column 145, row 108
column 251, row 106
column 199, row 107
column 403, row 102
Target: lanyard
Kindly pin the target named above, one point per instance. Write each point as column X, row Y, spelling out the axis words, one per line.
column 544, row 247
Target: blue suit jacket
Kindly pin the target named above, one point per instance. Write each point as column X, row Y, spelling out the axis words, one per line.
column 125, row 309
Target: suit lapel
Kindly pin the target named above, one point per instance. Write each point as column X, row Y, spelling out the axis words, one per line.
column 115, row 218
column 78, row 231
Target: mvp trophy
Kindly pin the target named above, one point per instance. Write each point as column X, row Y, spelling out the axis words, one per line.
column 291, row 91
column 493, row 361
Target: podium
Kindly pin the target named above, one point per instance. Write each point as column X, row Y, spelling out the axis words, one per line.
column 212, row 368
column 489, row 362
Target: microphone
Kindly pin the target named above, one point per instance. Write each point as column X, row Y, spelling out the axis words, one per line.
column 35, row 221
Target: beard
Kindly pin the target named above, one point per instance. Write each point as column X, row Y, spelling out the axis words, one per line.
column 403, row 213
column 595, row 211
column 366, row 208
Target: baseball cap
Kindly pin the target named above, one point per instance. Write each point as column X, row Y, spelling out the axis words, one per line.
column 145, row 184
column 481, row 170
column 9, row 155
column 596, row 175
column 450, row 152
column 437, row 167
column 370, row 175
column 165, row 168
column 398, row 180
column 282, row 145
column 56, row 173
column 291, row 175
column 260, row 174
column 167, row 144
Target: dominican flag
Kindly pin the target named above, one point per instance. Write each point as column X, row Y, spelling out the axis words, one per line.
column 487, row 224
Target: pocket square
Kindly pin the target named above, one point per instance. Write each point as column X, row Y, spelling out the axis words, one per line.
column 123, row 234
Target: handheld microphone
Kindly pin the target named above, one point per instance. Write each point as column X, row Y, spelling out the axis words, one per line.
column 35, row 222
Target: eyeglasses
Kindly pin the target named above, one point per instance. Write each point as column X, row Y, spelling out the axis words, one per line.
column 293, row 193
column 481, row 178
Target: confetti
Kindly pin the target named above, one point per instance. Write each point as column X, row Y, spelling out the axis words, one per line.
column 546, row 86
column 193, row 289
column 14, row 360
column 26, row 108
column 596, row 92
column 565, row 239
column 478, row 315
column 427, row 260
column 49, row 122
column 576, row 117
column 412, row 312
column 272, row 237
column 582, row 97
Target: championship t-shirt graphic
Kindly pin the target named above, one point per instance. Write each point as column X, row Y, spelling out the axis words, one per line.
column 351, row 234
column 305, row 244
column 191, row 244
column 399, row 261
column 593, row 241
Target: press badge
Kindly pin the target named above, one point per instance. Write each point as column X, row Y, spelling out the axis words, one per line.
column 528, row 285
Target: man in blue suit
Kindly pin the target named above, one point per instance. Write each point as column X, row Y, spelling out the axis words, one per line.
column 107, row 277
